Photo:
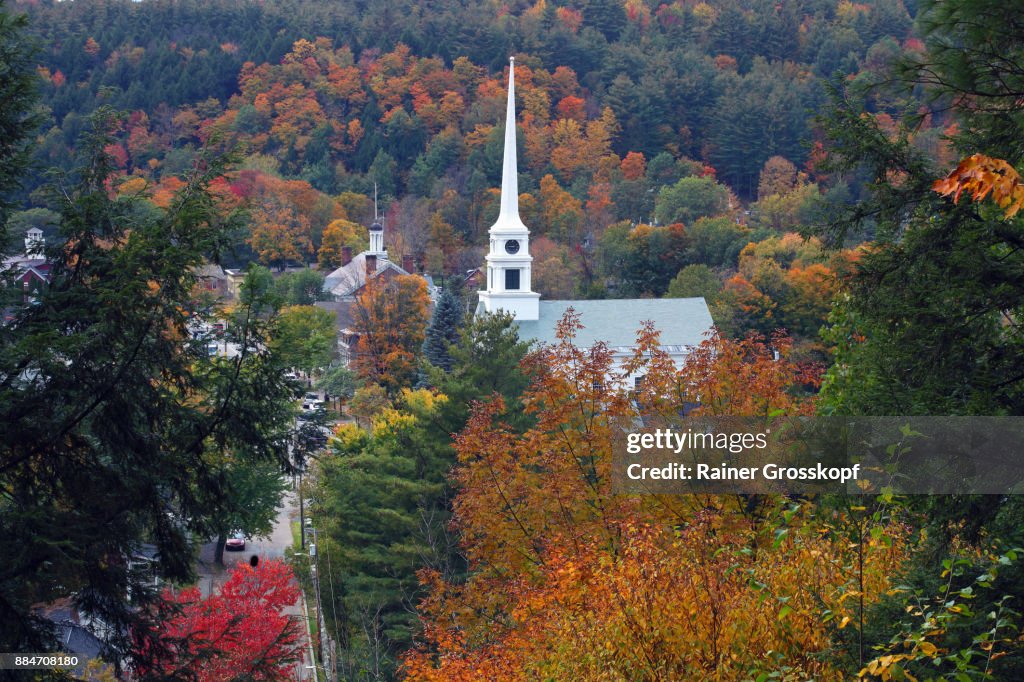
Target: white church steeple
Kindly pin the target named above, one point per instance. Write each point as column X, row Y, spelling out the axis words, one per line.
column 377, row 232
column 508, row 259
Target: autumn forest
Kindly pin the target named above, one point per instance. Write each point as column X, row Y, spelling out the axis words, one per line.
column 839, row 181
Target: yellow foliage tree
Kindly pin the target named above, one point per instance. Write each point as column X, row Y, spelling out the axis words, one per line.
column 338, row 234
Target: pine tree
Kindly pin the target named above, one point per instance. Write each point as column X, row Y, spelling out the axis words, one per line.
column 113, row 419
column 382, row 514
column 17, row 118
column 443, row 331
column 485, row 361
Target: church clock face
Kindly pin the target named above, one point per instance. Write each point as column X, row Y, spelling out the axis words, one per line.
column 512, row 246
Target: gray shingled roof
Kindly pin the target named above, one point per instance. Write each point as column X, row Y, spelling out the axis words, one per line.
column 681, row 321
column 347, row 279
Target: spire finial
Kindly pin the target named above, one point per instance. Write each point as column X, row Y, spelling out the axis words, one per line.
column 375, row 215
column 509, row 171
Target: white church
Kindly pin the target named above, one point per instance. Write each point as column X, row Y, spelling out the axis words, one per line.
column 683, row 322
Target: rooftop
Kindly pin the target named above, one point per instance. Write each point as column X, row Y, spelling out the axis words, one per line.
column 347, row 279
column 681, row 321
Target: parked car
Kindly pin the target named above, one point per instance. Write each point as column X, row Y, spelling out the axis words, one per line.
column 235, row 543
column 311, row 402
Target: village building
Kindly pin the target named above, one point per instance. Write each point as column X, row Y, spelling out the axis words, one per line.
column 30, row 269
column 683, row 323
column 344, row 284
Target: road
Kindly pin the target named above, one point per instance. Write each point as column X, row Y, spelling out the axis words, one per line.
column 273, row 547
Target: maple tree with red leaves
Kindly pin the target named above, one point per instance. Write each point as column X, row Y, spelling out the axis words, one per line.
column 240, row 633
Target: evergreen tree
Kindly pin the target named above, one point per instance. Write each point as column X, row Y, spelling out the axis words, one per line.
column 929, row 325
column 112, row 418
column 17, row 115
column 385, row 495
column 383, row 514
column 443, row 331
column 485, row 361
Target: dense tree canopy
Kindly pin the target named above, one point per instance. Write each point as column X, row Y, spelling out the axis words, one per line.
column 18, row 119
column 666, row 149
column 113, row 415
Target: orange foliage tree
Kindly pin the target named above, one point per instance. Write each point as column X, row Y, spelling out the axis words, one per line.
column 279, row 234
column 634, row 166
column 980, row 175
column 568, row 581
column 560, row 212
column 390, row 316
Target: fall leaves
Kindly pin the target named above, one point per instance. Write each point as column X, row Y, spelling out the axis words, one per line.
column 570, row 582
column 240, row 632
column 390, row 317
column 980, row 175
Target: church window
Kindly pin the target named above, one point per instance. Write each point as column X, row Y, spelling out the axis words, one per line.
column 512, row 280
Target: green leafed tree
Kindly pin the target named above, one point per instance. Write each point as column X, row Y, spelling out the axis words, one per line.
column 260, row 486
column 338, row 381
column 696, row 280
column 302, row 287
column 689, row 199
column 305, row 337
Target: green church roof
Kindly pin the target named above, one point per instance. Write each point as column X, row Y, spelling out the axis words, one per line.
column 681, row 321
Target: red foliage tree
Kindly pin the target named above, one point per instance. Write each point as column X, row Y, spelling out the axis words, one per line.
column 240, row 633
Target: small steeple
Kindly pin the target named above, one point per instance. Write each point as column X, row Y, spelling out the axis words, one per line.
column 377, row 231
column 35, row 245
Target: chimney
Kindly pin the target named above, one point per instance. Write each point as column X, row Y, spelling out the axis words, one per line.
column 407, row 263
column 371, row 265
column 346, row 255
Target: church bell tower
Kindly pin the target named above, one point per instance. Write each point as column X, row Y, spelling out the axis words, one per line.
column 509, row 259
